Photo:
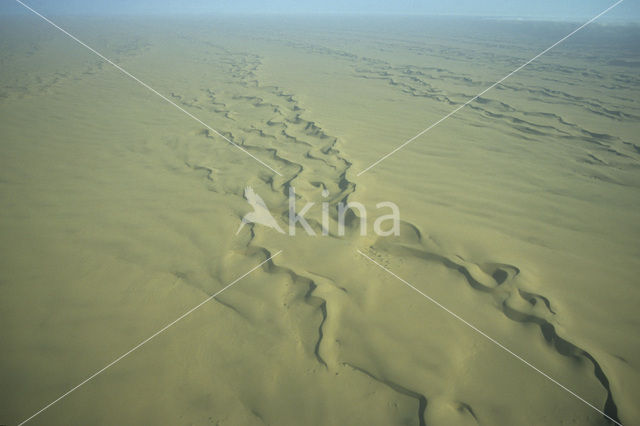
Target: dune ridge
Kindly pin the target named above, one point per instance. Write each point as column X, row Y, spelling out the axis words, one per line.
column 319, row 324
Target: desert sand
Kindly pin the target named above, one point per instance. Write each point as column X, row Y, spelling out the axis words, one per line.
column 119, row 213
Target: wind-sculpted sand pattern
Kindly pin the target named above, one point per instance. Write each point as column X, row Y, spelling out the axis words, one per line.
column 318, row 335
column 416, row 82
column 50, row 62
column 500, row 280
column 280, row 128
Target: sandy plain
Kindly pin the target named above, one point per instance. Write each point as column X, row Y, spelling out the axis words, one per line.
column 119, row 213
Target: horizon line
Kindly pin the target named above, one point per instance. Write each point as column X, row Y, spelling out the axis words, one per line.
column 518, row 18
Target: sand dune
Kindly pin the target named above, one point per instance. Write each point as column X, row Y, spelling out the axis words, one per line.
column 119, row 213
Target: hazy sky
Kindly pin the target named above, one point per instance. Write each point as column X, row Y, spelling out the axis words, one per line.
column 629, row 10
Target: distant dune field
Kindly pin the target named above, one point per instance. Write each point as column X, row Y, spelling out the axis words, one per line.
column 119, row 213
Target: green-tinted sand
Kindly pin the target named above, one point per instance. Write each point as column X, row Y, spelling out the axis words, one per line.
column 118, row 213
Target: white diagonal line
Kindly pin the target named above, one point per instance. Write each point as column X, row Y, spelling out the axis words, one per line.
column 163, row 329
column 489, row 88
column 491, row 339
column 145, row 85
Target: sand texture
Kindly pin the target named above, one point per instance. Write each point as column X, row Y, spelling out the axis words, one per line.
column 119, row 213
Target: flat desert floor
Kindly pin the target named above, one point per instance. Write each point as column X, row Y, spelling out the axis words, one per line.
column 519, row 214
